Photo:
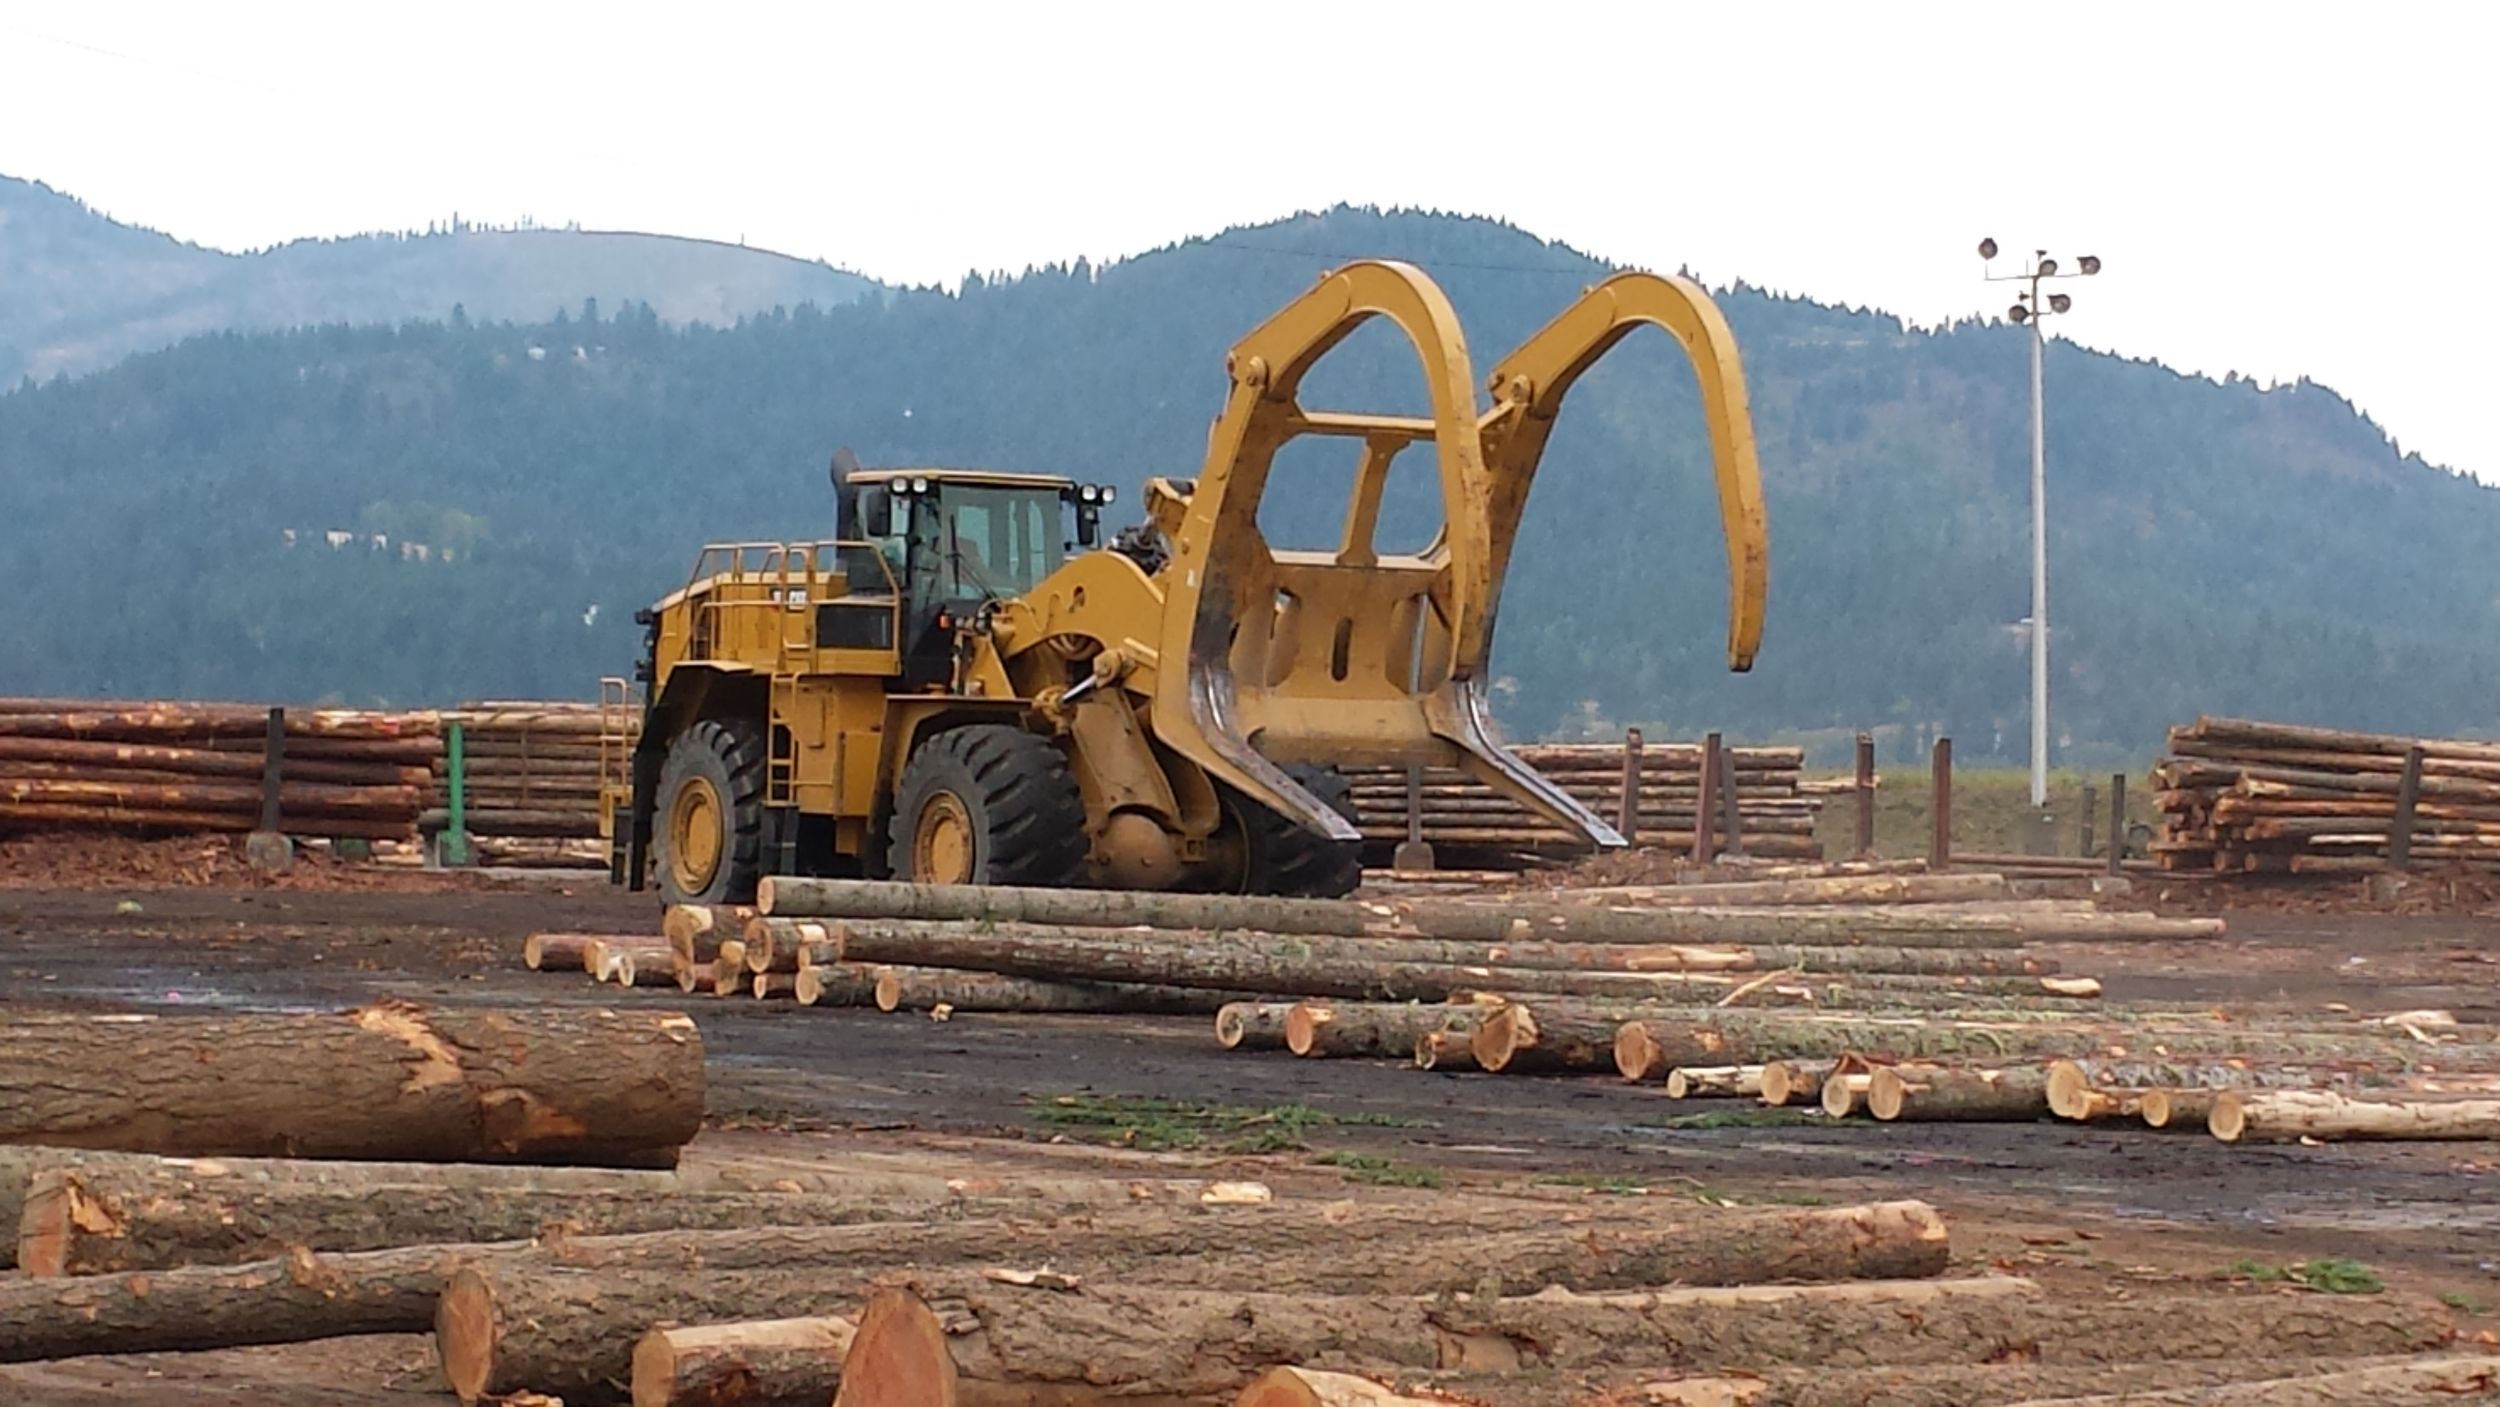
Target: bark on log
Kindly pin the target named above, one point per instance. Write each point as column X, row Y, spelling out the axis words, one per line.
column 1710, row 1081
column 1931, row 1094
column 390, row 1080
column 786, row 945
column 1844, row 1092
column 1314, row 1387
column 643, row 967
column 694, row 931
column 729, row 968
column 1251, row 1025
column 1445, row 1050
column 1787, row 1082
column 2448, row 1377
column 756, row 1363
column 835, row 984
column 93, row 757
column 240, row 819
column 2282, row 1114
column 1839, row 889
column 1963, row 1384
column 773, row 986
column 1320, row 1029
column 904, row 988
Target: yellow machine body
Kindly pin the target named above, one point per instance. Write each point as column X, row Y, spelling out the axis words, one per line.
column 1190, row 689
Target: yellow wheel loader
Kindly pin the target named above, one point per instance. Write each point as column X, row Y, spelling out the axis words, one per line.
column 970, row 684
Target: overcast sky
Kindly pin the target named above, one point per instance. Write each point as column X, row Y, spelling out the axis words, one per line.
column 2279, row 189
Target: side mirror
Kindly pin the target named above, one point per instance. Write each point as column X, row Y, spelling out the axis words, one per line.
column 1088, row 525
column 876, row 512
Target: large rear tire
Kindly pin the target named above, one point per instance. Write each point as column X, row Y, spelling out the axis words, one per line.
column 709, row 821
column 987, row 804
column 1288, row 860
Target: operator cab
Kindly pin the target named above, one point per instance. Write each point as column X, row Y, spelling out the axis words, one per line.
column 959, row 539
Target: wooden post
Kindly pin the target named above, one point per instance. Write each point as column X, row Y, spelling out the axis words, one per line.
column 2408, row 791
column 456, row 800
column 272, row 767
column 1866, row 795
column 1701, row 799
column 2117, row 820
column 2084, row 842
column 1628, row 809
column 1940, row 806
column 1731, row 824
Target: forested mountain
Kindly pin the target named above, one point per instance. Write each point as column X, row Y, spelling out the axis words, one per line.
column 79, row 292
column 2215, row 547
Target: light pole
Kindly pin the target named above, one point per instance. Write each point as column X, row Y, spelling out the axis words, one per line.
column 2028, row 310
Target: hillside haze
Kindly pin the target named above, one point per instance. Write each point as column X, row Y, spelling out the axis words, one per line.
column 2214, row 547
column 79, row 292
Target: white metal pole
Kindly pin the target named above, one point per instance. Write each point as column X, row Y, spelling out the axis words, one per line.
column 2039, row 572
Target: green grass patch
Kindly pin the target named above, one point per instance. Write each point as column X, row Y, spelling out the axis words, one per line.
column 2464, row 1303
column 1598, row 1182
column 2335, row 1275
column 1164, row 1124
column 1380, row 1172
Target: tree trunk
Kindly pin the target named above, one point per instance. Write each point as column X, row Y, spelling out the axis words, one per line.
column 1930, row 1094
column 1120, row 1341
column 1838, row 889
column 2181, row 1110
column 1786, row 1082
column 923, row 988
column 756, row 1363
column 564, row 952
column 1373, row 1029
column 2283, row 1114
column 695, row 931
column 96, row 757
column 835, row 984
column 1711, row 1081
column 1450, row 1050
column 1251, row 1025
column 567, row 1327
column 773, row 986
column 786, row 945
column 390, row 1080
column 1844, row 1092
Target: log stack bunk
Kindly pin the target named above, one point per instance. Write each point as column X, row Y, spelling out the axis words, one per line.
column 143, row 767
column 1470, row 825
column 2244, row 797
column 1888, row 996
column 531, row 783
column 497, row 1201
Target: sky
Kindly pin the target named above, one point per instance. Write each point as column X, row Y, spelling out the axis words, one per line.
column 2280, row 190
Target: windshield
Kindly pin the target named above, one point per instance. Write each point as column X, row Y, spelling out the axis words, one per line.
column 1004, row 540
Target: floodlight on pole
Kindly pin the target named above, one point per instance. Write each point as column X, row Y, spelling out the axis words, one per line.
column 2027, row 311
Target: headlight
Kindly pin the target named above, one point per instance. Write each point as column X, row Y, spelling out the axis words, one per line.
column 920, row 484
column 1110, row 492
column 1088, row 494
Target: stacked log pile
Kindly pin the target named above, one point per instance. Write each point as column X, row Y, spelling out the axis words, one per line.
column 896, row 1290
column 2247, row 797
column 152, row 766
column 1469, row 822
column 531, row 779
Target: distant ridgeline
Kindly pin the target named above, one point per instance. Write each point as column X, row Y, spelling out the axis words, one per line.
column 2215, row 548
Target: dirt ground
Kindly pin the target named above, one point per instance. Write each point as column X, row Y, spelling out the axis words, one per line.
column 2100, row 1206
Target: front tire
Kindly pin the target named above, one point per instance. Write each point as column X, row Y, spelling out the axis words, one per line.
column 709, row 822
column 1286, row 859
column 987, row 804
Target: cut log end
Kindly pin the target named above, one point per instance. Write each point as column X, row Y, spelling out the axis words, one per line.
column 1302, row 1026
column 889, row 992
column 899, row 1356
column 1444, row 1050
column 1638, row 1054
column 1312, row 1387
column 464, row 1335
column 43, row 1231
column 2070, row 1090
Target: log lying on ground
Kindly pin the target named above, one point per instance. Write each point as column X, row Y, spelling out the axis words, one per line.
column 695, row 931
column 1931, row 1094
column 1964, row 1384
column 1316, row 1387
column 1496, row 918
column 755, row 1363
column 1844, row 1092
column 1448, row 1050
column 1786, row 1082
column 1251, row 1025
column 1374, row 1029
column 729, row 968
column 786, row 945
column 773, row 986
column 2184, row 1110
column 508, row 1324
column 835, row 984
column 390, row 1080
column 1714, row 1081
column 2284, row 1114
column 564, row 952
column 1837, row 889
column 2433, row 1378
column 901, row 988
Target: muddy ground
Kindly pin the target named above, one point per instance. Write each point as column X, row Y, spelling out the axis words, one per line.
column 821, row 1084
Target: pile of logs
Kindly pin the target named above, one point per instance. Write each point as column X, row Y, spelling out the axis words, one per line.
column 2246, row 797
column 139, row 766
column 885, row 1289
column 1467, row 821
column 531, row 778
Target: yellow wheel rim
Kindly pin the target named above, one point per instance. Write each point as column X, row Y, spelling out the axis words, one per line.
column 941, row 843
column 694, row 835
